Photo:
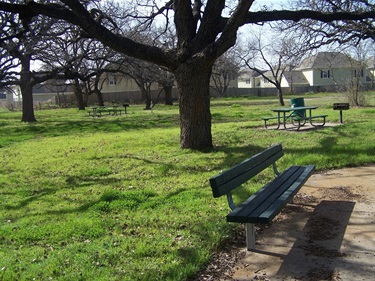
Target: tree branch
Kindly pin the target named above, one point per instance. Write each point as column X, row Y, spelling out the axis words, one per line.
column 268, row 16
column 79, row 16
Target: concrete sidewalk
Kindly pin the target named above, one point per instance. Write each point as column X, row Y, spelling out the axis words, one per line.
column 328, row 233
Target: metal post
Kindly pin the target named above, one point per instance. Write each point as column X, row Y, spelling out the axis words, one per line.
column 340, row 116
column 250, row 236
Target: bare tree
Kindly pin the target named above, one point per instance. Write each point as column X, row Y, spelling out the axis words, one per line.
column 20, row 44
column 271, row 58
column 203, row 34
column 167, row 81
column 314, row 34
column 95, row 66
column 68, row 52
column 358, row 67
column 225, row 70
column 142, row 73
column 81, row 61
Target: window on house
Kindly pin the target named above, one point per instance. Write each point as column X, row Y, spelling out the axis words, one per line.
column 247, row 81
column 358, row 72
column 325, row 74
column 111, row 80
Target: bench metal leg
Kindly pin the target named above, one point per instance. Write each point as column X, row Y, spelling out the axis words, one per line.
column 318, row 125
column 250, row 236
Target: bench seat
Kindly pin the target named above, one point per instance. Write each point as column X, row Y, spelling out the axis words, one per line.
column 317, row 116
column 310, row 118
column 265, row 119
column 270, row 117
column 265, row 204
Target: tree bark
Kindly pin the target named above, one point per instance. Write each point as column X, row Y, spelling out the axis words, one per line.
column 168, row 100
column 280, row 95
column 26, row 92
column 100, row 97
column 195, row 116
column 79, row 95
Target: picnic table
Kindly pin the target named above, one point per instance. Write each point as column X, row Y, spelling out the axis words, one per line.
column 295, row 117
column 97, row 111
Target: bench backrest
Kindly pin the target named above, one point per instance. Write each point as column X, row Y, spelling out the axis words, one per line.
column 230, row 179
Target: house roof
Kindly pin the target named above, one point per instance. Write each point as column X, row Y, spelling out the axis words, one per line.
column 47, row 88
column 248, row 73
column 292, row 77
column 327, row 60
column 370, row 62
column 295, row 77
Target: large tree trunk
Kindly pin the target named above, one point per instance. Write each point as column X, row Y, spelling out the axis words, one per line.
column 27, row 103
column 193, row 82
column 79, row 95
column 100, row 97
column 26, row 92
column 168, row 99
column 146, row 97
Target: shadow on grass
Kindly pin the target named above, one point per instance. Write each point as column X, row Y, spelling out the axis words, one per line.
column 37, row 195
column 53, row 128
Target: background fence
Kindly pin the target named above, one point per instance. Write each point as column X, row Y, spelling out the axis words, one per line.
column 69, row 99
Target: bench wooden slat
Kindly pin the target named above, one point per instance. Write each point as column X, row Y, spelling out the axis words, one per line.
column 283, row 186
column 263, row 206
column 295, row 185
column 238, row 174
column 261, row 200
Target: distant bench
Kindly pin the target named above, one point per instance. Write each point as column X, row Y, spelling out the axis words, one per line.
column 266, row 203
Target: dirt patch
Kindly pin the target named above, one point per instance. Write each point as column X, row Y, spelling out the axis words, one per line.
column 223, row 263
column 342, row 193
column 322, row 274
column 321, row 228
column 318, row 251
column 222, row 266
column 303, row 198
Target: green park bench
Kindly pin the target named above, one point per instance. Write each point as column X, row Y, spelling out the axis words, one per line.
column 268, row 201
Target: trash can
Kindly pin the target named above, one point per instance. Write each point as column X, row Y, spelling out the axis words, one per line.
column 298, row 102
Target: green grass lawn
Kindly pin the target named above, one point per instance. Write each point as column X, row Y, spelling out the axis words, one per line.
column 115, row 198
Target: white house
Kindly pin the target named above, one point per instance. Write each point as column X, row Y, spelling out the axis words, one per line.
column 249, row 79
column 331, row 68
column 322, row 69
column 41, row 92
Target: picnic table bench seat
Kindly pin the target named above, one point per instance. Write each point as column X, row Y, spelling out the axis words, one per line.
column 310, row 118
column 265, row 119
column 267, row 202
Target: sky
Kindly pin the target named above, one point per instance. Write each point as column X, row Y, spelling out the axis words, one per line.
column 276, row 4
